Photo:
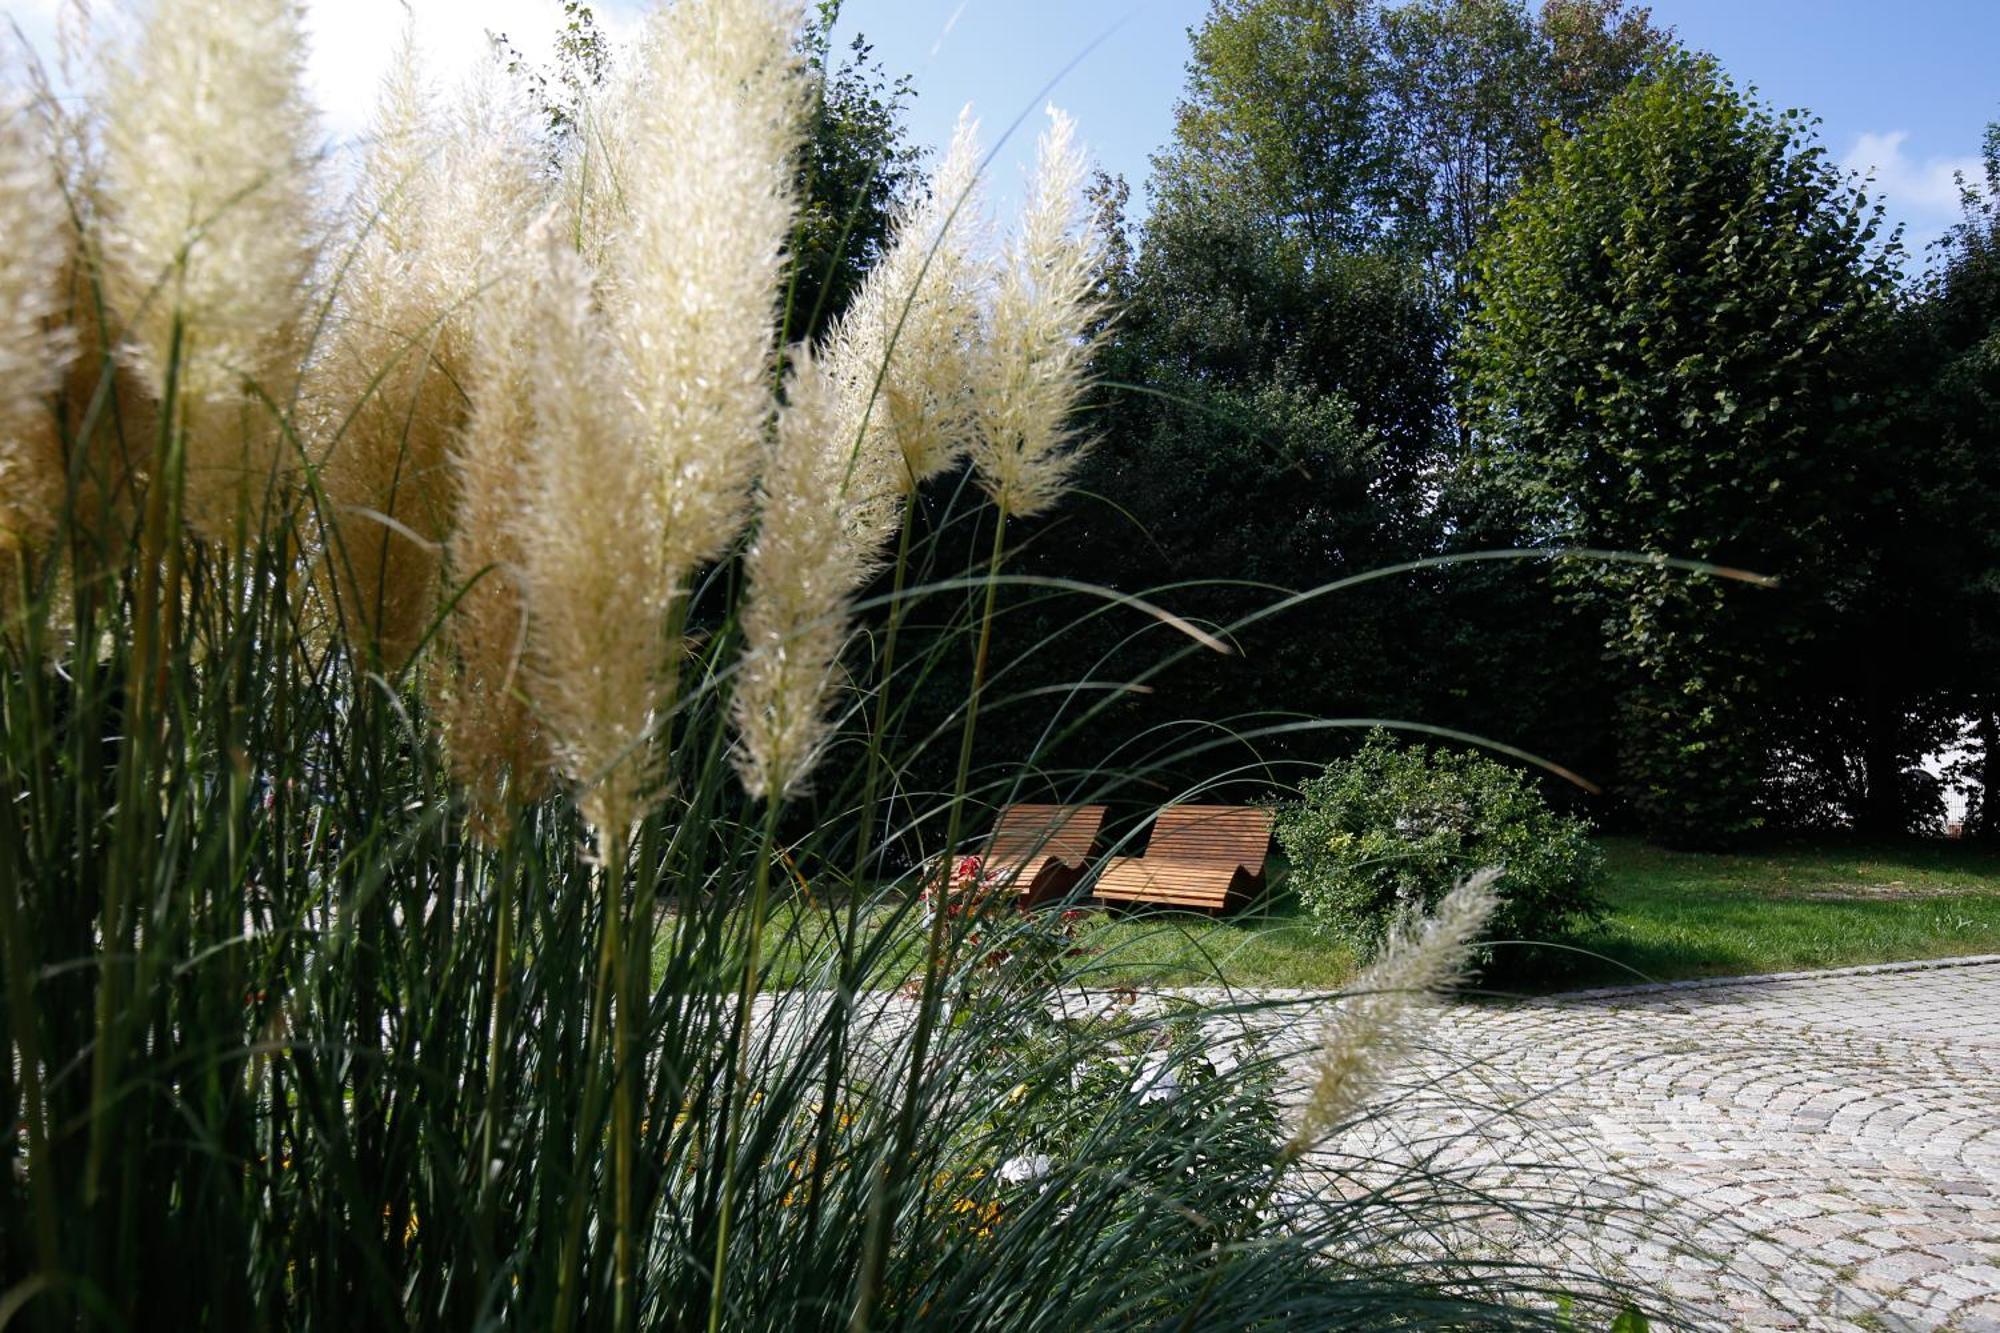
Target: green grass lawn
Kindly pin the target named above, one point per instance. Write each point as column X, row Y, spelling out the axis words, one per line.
column 1673, row 915
column 1680, row 914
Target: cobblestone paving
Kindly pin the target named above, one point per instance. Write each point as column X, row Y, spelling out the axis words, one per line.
column 1818, row 1151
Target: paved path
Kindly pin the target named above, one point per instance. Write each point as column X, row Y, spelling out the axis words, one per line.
column 1808, row 1151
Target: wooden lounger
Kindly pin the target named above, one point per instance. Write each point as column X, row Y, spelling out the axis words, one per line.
column 1200, row 856
column 1039, row 850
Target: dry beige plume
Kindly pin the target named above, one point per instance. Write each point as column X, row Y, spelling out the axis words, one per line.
column 439, row 202
column 492, row 738
column 903, row 352
column 210, row 230
column 710, row 117
column 1035, row 365
column 33, row 349
column 592, row 553
column 386, row 397
column 112, row 413
column 1388, row 1006
column 803, row 570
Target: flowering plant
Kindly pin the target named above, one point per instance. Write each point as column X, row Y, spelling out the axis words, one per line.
column 966, row 889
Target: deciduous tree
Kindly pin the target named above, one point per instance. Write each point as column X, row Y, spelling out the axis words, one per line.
column 1669, row 354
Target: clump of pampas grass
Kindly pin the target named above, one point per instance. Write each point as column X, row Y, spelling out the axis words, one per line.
column 879, row 410
column 913, row 375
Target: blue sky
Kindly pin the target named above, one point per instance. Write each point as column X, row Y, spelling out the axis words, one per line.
column 1905, row 87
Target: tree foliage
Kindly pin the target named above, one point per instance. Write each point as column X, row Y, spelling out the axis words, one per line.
column 1942, row 593
column 855, row 169
column 1349, row 124
column 1670, row 354
column 1278, row 406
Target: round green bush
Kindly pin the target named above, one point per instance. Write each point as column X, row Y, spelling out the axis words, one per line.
column 1390, row 830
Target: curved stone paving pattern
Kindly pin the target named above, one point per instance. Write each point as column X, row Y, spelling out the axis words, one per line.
column 1800, row 1152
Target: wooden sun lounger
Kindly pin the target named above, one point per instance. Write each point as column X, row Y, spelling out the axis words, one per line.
column 1200, row 856
column 1039, row 850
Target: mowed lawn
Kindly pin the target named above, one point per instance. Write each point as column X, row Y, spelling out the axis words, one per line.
column 1680, row 914
column 1673, row 915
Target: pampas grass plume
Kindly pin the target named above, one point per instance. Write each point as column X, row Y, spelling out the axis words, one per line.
column 803, row 569
column 493, row 739
column 1036, row 361
column 709, row 120
column 902, row 354
column 1388, row 1005
column 387, row 395
column 33, row 350
column 208, row 149
column 593, row 553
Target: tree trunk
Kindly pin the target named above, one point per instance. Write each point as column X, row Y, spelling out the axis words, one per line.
column 1881, row 813
column 1988, row 824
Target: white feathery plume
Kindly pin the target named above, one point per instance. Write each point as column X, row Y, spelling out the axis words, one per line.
column 803, row 568
column 34, row 260
column 492, row 194
column 902, row 353
column 208, row 145
column 388, row 401
column 493, row 740
column 593, row 554
column 711, row 117
column 1388, row 1005
column 443, row 203
column 1036, row 362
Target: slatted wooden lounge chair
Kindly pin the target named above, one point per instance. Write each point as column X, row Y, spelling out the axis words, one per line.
column 1039, row 850
column 1200, row 856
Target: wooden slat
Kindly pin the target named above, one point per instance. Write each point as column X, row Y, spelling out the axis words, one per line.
column 1032, row 842
column 1194, row 857
column 1240, row 835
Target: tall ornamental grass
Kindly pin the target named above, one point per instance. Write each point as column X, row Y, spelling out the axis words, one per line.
column 429, row 659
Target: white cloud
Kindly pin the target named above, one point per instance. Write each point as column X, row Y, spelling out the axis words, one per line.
column 1919, row 191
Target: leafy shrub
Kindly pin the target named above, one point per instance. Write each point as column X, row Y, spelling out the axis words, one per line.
column 1392, row 829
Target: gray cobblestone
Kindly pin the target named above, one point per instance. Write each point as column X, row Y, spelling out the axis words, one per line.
column 1815, row 1151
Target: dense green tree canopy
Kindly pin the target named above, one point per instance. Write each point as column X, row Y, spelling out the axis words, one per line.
column 1343, row 125
column 1278, row 411
column 1670, row 353
column 855, row 168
